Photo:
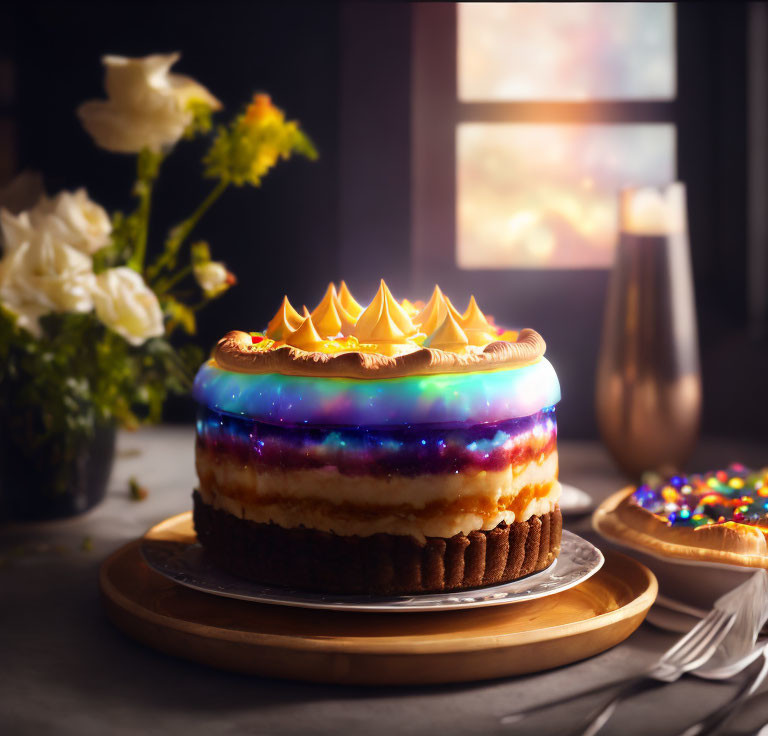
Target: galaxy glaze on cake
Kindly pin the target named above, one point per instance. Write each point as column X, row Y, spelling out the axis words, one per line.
column 406, row 450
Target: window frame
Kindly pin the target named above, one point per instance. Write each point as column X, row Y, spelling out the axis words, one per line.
column 437, row 112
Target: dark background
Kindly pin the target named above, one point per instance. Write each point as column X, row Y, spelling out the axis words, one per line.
column 344, row 71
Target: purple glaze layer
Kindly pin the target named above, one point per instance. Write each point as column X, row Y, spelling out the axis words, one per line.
column 410, row 450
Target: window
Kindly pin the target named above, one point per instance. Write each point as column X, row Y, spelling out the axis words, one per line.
column 545, row 195
column 565, row 51
column 554, row 107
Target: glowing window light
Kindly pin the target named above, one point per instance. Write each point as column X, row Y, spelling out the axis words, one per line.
column 566, row 51
column 545, row 195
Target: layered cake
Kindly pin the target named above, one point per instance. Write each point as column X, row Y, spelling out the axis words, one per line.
column 719, row 516
column 399, row 447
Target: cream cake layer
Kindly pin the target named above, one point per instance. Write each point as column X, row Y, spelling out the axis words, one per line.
column 249, row 484
column 421, row 506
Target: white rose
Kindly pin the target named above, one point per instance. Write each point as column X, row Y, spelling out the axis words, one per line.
column 70, row 217
column 27, row 313
column 127, row 305
column 146, row 107
column 44, row 274
column 16, row 229
column 75, row 219
column 213, row 277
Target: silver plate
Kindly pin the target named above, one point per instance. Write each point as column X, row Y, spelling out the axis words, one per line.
column 187, row 564
column 574, row 501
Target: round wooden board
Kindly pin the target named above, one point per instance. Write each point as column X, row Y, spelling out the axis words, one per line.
column 371, row 648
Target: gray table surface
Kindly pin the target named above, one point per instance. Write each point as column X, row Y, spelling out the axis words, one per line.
column 65, row 670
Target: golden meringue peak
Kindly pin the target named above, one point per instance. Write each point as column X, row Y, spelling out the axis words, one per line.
column 476, row 326
column 410, row 308
column 448, row 336
column 325, row 316
column 368, row 318
column 434, row 300
column 385, row 329
column 399, row 315
column 455, row 313
column 433, row 313
column 347, row 318
column 383, row 303
column 305, row 337
column 284, row 322
column 386, row 326
column 480, row 338
column 348, row 301
column 305, row 312
column 473, row 318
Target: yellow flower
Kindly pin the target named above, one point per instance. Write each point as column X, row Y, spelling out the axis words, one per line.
column 254, row 142
column 262, row 111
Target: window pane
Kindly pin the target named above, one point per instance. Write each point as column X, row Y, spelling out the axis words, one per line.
column 545, row 196
column 566, row 51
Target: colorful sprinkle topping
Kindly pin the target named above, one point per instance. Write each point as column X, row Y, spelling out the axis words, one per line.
column 736, row 494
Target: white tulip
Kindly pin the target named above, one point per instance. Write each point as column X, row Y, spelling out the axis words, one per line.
column 44, row 274
column 127, row 305
column 147, row 107
column 213, row 277
column 75, row 219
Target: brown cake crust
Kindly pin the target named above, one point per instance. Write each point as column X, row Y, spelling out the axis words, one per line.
column 236, row 352
column 382, row 564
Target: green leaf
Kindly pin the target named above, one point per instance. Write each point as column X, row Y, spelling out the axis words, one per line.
column 200, row 253
column 202, row 120
column 179, row 315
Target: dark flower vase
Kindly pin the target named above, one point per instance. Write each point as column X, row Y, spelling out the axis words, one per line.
column 53, row 479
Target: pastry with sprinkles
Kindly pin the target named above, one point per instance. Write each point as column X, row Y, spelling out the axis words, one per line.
column 719, row 516
column 398, row 447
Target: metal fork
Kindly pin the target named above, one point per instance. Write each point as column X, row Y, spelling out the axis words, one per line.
column 714, row 720
column 695, row 648
column 688, row 654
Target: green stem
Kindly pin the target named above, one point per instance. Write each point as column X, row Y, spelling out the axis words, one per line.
column 189, row 224
column 181, row 232
column 197, row 307
column 148, row 168
column 164, row 285
column 139, row 252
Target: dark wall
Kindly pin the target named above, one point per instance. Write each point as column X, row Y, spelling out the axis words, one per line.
column 375, row 158
column 344, row 70
column 280, row 237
